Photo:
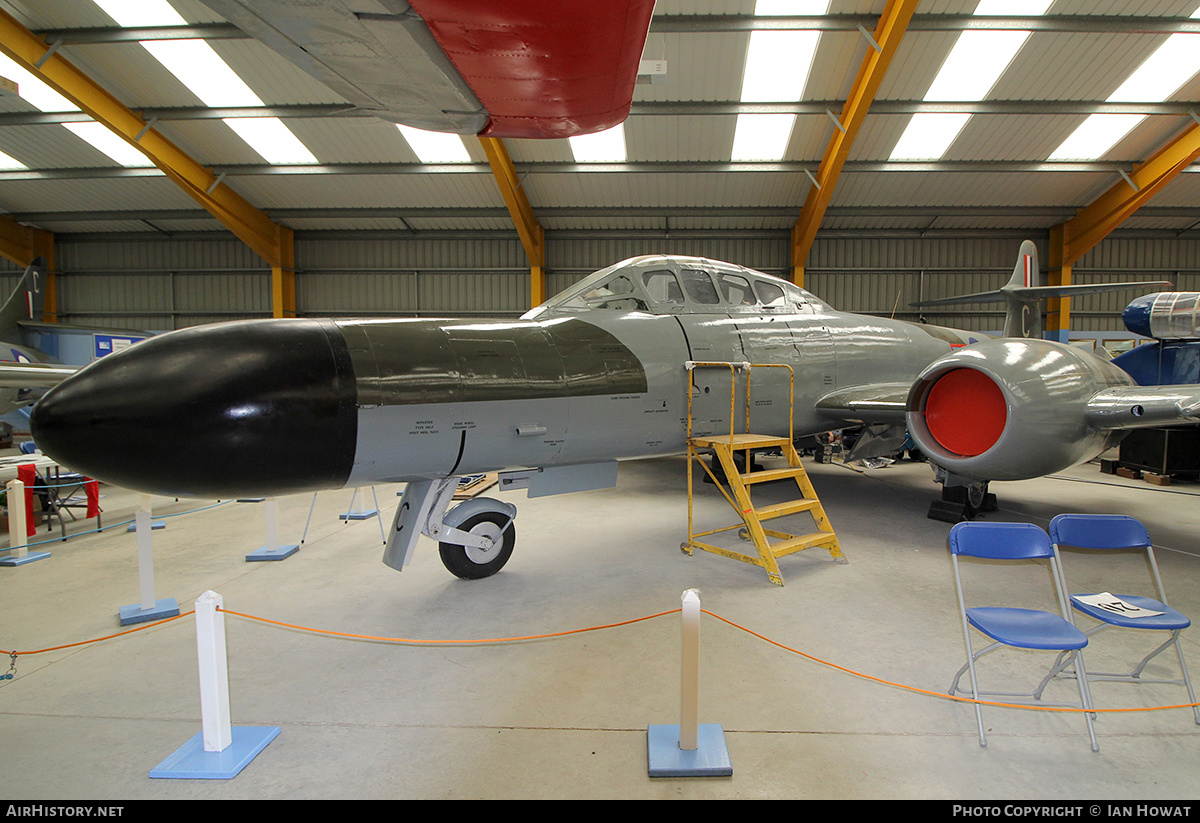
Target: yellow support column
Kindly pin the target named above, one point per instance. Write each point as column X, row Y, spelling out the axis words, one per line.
column 1058, row 309
column 1073, row 239
column 21, row 244
column 888, row 33
column 283, row 276
column 533, row 238
column 250, row 225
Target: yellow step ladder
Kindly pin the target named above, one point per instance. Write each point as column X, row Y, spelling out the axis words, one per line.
column 771, row 544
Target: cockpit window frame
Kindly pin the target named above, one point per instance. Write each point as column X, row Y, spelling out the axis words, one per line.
column 635, row 271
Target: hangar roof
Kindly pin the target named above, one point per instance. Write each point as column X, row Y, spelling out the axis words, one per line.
column 679, row 171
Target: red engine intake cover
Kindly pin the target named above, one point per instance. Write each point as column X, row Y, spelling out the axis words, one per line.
column 965, row 412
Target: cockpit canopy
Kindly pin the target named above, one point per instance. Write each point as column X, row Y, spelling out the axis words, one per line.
column 672, row 284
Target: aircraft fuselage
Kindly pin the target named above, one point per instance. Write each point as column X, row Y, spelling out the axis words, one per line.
column 279, row 406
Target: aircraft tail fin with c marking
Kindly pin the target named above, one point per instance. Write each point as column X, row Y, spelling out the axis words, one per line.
column 1025, row 290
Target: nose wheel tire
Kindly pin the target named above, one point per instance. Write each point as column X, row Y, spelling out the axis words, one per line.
column 473, row 563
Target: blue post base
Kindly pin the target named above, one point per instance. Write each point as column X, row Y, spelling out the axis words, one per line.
column 709, row 759
column 191, row 762
column 367, row 515
column 167, row 607
column 278, row 553
column 21, row 561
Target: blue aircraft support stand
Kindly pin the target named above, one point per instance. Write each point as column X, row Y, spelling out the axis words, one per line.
column 360, row 514
column 219, row 751
column 688, row 749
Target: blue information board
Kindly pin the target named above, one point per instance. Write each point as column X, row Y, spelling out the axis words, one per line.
column 109, row 343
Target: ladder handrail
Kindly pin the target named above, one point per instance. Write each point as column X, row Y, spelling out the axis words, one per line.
column 692, row 365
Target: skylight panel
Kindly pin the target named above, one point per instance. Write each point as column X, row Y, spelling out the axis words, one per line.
column 776, row 71
column 777, row 64
column 210, row 78
column 975, row 63
column 762, row 136
column 929, row 135
column 33, row 89
column 1170, row 66
column 105, row 140
column 606, row 146
column 41, row 96
column 435, row 147
column 272, row 139
column 8, row 163
column 203, row 71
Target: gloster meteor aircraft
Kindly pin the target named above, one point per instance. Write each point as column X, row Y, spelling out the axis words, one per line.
column 602, row 372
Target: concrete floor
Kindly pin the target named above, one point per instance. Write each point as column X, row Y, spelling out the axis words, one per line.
column 567, row 717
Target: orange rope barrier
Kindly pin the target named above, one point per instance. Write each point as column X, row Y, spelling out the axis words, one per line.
column 941, row 695
column 522, row 638
column 97, row 639
column 483, row 641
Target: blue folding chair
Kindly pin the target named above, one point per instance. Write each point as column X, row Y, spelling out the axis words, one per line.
column 1016, row 627
column 1118, row 532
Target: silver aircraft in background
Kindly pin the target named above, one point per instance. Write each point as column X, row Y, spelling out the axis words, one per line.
column 598, row 374
column 25, row 371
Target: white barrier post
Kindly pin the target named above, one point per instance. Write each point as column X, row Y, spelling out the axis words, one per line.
column 271, row 550
column 148, row 608
column 689, row 687
column 214, row 672
column 689, row 749
column 219, row 751
column 18, row 528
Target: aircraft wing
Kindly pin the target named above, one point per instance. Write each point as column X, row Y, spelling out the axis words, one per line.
column 15, row 375
column 1136, row 407
column 870, row 403
column 500, row 68
column 1041, row 292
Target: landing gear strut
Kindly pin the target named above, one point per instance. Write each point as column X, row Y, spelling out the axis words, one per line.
column 475, row 538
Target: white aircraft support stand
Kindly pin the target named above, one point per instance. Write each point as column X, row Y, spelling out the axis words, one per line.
column 360, row 513
column 219, row 751
column 271, row 550
column 149, row 608
column 689, row 749
column 18, row 539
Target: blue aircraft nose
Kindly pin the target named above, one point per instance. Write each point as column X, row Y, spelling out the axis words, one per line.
column 240, row 409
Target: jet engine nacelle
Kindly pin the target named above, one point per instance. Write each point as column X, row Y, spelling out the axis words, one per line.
column 1010, row 409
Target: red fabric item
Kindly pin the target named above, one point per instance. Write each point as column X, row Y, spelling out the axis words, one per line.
column 544, row 68
column 92, row 489
column 27, row 474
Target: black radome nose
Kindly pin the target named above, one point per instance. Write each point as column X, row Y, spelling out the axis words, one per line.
column 253, row 408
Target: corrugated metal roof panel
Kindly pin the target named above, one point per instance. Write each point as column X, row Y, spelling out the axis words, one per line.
column 702, row 66
column 365, row 190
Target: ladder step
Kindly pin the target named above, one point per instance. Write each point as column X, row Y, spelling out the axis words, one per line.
column 740, row 441
column 767, row 475
column 804, row 504
column 802, row 542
